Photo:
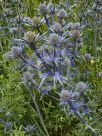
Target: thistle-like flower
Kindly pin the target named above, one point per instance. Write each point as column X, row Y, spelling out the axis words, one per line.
column 77, row 26
column 70, row 26
column 43, row 9
column 87, row 57
column 81, row 86
column 15, row 52
column 76, row 34
column 98, row 2
column 36, row 21
column 57, row 27
column 30, row 36
column 8, row 55
column 53, row 39
column 29, row 129
column 28, row 78
column 64, row 96
column 62, row 14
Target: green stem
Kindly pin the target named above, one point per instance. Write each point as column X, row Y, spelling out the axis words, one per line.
column 38, row 111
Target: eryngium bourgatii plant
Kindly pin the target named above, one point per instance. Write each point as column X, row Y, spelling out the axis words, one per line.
column 51, row 66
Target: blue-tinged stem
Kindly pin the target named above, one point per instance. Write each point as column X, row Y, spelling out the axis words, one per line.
column 47, row 22
column 38, row 110
column 22, row 57
column 33, row 47
column 52, row 18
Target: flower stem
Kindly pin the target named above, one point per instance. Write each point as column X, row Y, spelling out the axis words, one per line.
column 38, row 111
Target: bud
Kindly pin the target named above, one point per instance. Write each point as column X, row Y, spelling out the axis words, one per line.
column 16, row 51
column 87, row 57
column 76, row 34
column 81, row 86
column 30, row 36
column 43, row 9
column 53, row 39
column 64, row 96
column 62, row 14
column 57, row 27
column 98, row 2
column 8, row 55
column 35, row 21
column 28, row 78
column 77, row 26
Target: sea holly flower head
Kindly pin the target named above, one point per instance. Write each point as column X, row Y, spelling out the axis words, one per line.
column 9, row 55
column 57, row 27
column 75, row 34
column 29, row 129
column 15, row 52
column 28, row 78
column 81, row 86
column 77, row 26
column 87, row 56
column 66, row 96
column 43, row 9
column 36, row 21
column 53, row 39
column 62, row 14
column 30, row 36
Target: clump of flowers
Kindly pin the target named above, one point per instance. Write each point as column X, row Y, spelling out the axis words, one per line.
column 52, row 60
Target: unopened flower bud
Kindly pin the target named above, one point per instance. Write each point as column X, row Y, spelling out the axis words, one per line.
column 76, row 34
column 16, row 51
column 87, row 57
column 35, row 21
column 43, row 9
column 64, row 96
column 28, row 78
column 57, row 27
column 81, row 86
column 53, row 39
column 62, row 14
column 30, row 36
column 77, row 26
